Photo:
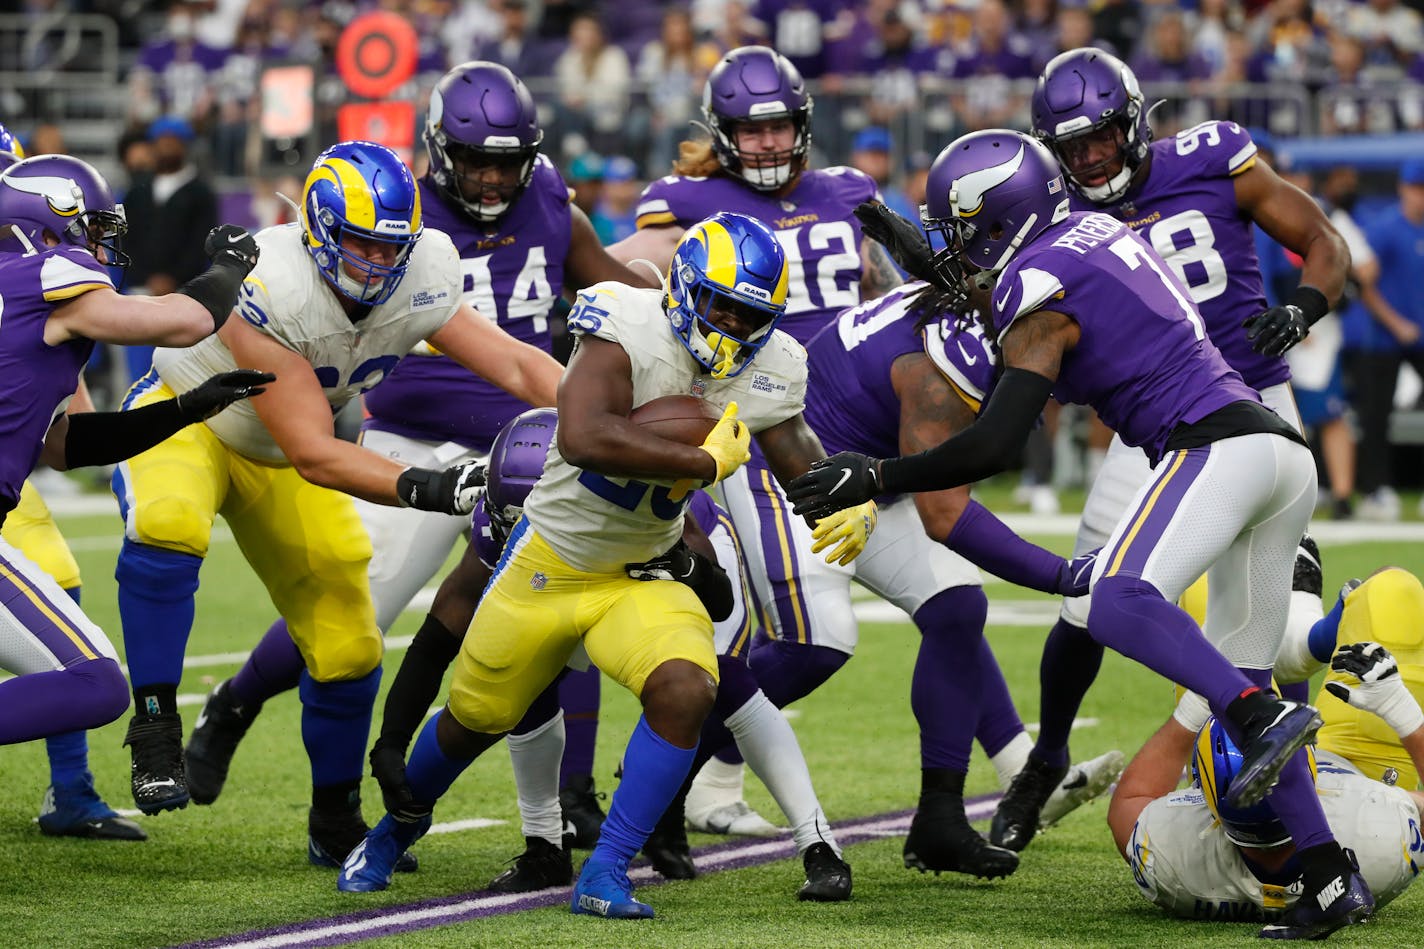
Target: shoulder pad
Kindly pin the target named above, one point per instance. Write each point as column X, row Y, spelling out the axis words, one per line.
column 69, row 272
column 1022, row 291
column 1222, row 149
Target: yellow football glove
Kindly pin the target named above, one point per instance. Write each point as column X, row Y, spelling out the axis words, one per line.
column 849, row 529
column 729, row 444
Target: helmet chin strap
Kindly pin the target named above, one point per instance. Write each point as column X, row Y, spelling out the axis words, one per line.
column 1114, row 188
column 767, row 178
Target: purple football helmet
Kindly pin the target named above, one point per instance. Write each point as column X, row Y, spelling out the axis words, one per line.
column 66, row 199
column 988, row 194
column 482, row 133
column 516, row 461
column 752, row 84
column 1088, row 108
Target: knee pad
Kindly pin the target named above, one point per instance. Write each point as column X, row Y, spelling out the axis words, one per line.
column 337, row 698
column 489, row 714
column 157, row 573
column 344, row 659
column 173, row 522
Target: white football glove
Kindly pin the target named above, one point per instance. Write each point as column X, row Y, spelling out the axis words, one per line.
column 1381, row 690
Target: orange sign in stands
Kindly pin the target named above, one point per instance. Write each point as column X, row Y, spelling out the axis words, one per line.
column 377, row 52
column 286, row 101
column 391, row 124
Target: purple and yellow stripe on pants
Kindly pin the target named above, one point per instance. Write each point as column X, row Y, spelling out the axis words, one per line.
column 783, row 569
column 1154, row 513
column 42, row 616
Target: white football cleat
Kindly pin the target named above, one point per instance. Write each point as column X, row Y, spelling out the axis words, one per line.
column 1083, row 783
column 715, row 805
column 737, row 819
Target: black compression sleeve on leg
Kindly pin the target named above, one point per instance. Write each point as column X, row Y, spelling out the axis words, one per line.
column 417, row 682
column 106, row 438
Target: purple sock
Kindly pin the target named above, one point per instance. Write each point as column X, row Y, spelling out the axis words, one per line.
column 788, row 671
column 999, row 721
column 85, row 695
column 579, row 696
column 735, row 687
column 274, row 667
column 1070, row 663
column 944, row 692
column 1131, row 617
column 1297, row 692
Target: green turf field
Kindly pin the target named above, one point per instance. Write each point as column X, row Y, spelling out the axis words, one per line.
column 241, row 865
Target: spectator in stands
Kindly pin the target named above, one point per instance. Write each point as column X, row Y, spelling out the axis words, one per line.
column 1073, row 29
column 470, row 27
column 1352, row 102
column 797, row 30
column 1216, row 21
column 735, row 25
column 46, row 139
column 895, row 58
column 585, row 176
column 615, row 216
column 514, row 47
column 997, row 56
column 1380, row 347
column 1390, row 33
column 595, row 86
column 1038, row 24
column 169, row 216
column 1167, row 56
column 236, row 96
column 872, row 152
column 1118, row 24
column 673, row 70
column 1289, row 46
column 173, row 73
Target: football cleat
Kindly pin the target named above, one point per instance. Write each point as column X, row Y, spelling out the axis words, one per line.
column 941, row 840
column 156, row 772
column 1343, row 901
column 827, row 875
column 583, row 817
column 1271, row 738
column 370, row 865
column 736, row 818
column 667, row 848
column 332, row 835
column 1017, row 817
column 539, row 867
column 79, row 811
column 1084, row 782
column 1307, row 577
column 220, row 726
column 603, row 889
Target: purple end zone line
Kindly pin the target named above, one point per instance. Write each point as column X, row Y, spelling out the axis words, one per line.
column 427, row 914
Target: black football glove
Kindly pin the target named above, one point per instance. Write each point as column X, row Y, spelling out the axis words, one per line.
column 209, row 398
column 230, row 244
column 684, row 565
column 833, row 484
column 1276, row 330
column 902, row 238
column 388, row 768
column 452, row 491
column 679, row 564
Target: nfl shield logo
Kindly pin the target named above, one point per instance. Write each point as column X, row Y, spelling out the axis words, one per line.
column 699, row 387
column 537, row 581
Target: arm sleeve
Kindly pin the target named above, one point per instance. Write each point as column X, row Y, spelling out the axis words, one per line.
column 987, row 542
column 106, row 438
column 984, row 448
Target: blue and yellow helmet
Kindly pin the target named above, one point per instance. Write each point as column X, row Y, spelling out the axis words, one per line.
column 361, row 190
column 727, row 262
column 11, row 150
column 1215, row 763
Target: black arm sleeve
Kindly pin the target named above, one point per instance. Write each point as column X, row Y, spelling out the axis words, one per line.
column 984, row 448
column 216, row 288
column 106, row 438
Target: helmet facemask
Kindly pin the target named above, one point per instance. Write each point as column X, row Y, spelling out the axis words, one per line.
column 464, row 173
column 764, row 171
column 1072, row 149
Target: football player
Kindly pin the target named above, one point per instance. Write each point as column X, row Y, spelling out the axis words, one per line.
column 520, row 241
column 1083, row 309
column 62, row 232
column 1196, row 199
column 758, row 111
column 341, row 296
column 613, row 494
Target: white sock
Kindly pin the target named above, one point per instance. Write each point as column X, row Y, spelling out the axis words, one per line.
column 1012, row 758
column 724, row 777
column 771, row 750
column 536, row 756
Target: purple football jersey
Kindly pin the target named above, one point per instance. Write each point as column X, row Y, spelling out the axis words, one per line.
column 1187, row 211
column 1143, row 359
column 514, row 273
column 482, row 536
column 702, row 509
column 850, row 401
column 39, row 378
column 815, row 224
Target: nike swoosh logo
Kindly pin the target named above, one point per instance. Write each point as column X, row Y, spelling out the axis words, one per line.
column 1003, row 299
column 971, row 360
column 165, row 783
column 234, row 238
column 845, row 476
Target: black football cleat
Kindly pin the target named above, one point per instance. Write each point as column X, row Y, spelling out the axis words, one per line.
column 539, row 867
column 1307, row 577
column 1343, row 901
column 827, row 875
column 332, row 835
column 667, row 848
column 1272, row 737
column 156, row 770
column 216, row 733
column 941, row 840
column 78, row 811
column 1017, row 817
column 583, row 817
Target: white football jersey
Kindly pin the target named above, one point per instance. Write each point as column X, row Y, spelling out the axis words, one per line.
column 598, row 523
column 287, row 298
column 1183, row 862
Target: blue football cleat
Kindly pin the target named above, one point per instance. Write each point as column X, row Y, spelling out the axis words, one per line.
column 1344, row 901
column 332, row 835
column 1269, row 745
column 370, row 866
column 603, row 889
column 79, row 811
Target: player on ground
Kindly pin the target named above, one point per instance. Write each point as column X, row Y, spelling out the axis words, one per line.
column 562, row 578
column 1196, row 198
column 62, row 231
column 340, row 297
column 1085, row 311
column 520, row 240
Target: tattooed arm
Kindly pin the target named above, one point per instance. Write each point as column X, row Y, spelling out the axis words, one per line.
column 878, row 275
column 931, row 411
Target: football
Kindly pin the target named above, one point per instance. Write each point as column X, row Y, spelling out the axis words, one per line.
column 684, row 419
